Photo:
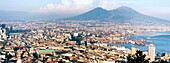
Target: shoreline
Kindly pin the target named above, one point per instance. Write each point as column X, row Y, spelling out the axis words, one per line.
column 159, row 48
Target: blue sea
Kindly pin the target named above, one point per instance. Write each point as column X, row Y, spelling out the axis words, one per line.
column 161, row 40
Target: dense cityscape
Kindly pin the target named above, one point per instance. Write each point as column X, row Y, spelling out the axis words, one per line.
column 75, row 42
column 84, row 31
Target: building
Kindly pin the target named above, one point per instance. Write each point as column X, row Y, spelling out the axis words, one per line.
column 133, row 50
column 151, row 52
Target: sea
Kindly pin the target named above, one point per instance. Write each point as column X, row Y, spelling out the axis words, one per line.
column 161, row 40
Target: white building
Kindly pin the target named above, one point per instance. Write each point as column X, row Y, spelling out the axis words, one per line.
column 133, row 50
column 76, row 34
column 151, row 52
column 3, row 33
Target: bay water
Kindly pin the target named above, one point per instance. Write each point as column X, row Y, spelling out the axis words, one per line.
column 161, row 40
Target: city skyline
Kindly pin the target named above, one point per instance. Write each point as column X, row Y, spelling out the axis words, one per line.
column 84, row 31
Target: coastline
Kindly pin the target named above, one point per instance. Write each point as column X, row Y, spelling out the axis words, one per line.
column 161, row 45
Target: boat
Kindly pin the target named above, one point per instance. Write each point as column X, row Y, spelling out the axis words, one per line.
column 132, row 42
column 148, row 38
column 140, row 44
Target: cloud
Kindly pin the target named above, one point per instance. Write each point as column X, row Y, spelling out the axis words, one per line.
column 161, row 12
column 75, row 7
column 67, row 7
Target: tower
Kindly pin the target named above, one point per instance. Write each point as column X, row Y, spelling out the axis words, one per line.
column 151, row 52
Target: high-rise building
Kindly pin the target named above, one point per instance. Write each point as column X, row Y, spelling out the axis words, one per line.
column 151, row 52
column 3, row 25
column 10, row 29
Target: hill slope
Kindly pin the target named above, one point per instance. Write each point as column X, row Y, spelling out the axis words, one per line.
column 120, row 14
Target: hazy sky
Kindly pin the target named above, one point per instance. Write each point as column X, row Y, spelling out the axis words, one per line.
column 158, row 8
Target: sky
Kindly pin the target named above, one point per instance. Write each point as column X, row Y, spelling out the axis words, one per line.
column 157, row 8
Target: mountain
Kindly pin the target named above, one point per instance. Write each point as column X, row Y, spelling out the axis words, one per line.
column 124, row 13
column 22, row 16
column 14, row 15
column 120, row 14
column 95, row 14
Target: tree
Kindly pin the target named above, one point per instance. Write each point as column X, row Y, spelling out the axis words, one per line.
column 137, row 58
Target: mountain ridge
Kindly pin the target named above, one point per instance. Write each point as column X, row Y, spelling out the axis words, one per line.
column 120, row 14
column 91, row 15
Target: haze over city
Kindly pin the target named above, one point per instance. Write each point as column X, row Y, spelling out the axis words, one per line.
column 84, row 31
